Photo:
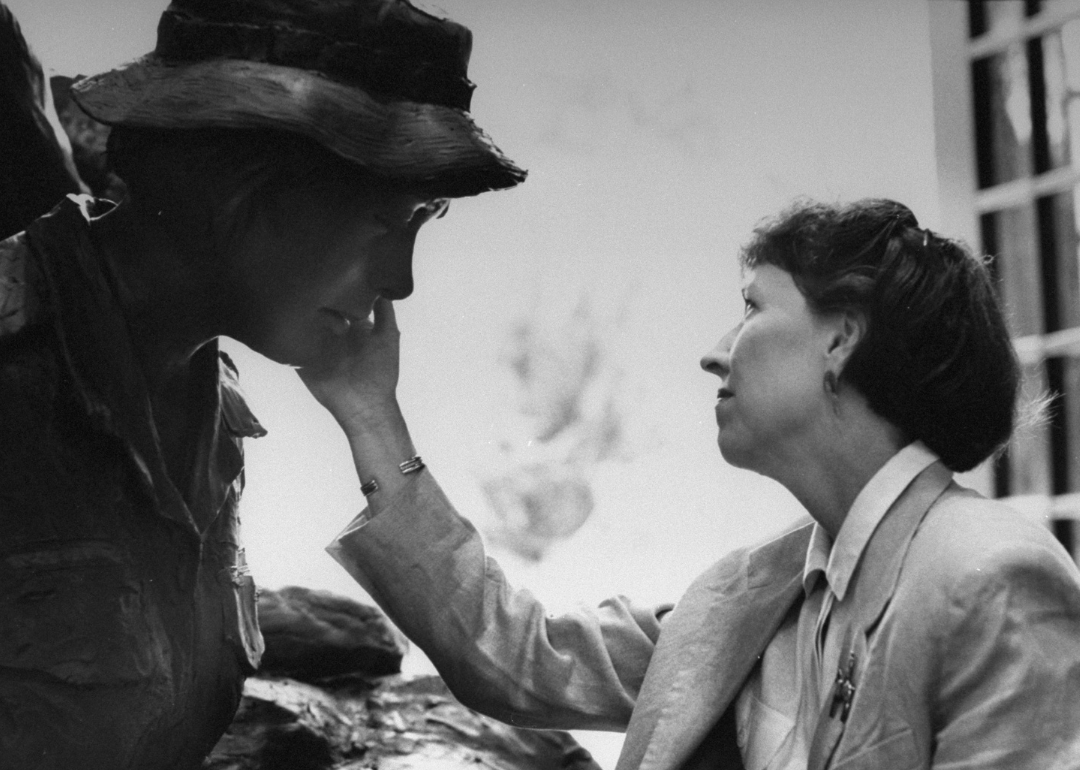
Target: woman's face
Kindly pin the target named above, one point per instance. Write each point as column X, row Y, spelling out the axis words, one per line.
column 771, row 367
column 316, row 261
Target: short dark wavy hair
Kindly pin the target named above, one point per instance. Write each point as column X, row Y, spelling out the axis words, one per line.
column 936, row 359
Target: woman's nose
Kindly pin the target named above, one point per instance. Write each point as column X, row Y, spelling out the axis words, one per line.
column 718, row 360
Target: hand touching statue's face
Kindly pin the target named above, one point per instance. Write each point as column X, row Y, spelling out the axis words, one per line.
column 315, row 261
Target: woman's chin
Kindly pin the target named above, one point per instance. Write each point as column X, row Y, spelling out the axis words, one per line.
column 734, row 452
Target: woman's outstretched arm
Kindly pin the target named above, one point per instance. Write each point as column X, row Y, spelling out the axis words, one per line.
column 497, row 648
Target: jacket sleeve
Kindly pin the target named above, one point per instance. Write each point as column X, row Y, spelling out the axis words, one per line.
column 497, row 649
column 1009, row 690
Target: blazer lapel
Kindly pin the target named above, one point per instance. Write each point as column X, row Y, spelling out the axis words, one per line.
column 874, row 580
column 873, row 584
column 708, row 646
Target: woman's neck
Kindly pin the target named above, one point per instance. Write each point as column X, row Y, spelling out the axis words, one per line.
column 828, row 473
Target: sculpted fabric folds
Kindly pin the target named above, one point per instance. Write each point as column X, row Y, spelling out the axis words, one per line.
column 128, row 610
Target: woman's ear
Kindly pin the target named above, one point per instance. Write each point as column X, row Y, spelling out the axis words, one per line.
column 847, row 330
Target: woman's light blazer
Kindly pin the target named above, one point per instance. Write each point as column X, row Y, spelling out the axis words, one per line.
column 966, row 638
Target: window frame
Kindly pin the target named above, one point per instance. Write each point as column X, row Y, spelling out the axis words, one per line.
column 963, row 203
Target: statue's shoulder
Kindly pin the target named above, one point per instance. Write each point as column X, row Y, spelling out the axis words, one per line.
column 239, row 419
column 25, row 258
column 19, row 305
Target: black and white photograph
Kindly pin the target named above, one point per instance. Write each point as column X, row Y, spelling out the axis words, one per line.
column 539, row 384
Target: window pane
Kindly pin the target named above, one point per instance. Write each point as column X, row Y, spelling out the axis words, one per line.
column 1028, row 459
column 976, row 18
column 1070, row 51
column 995, row 16
column 1002, row 116
column 1070, row 415
column 1062, row 90
column 1061, row 253
column 1009, row 236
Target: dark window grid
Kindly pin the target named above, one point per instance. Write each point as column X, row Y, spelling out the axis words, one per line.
column 1061, row 68
column 1036, row 272
column 991, row 244
column 1040, row 141
column 1001, row 86
column 984, row 17
column 1014, row 80
column 1058, row 254
column 1044, row 460
column 1035, row 254
column 1063, row 380
column 1012, row 109
column 1039, row 469
column 1053, row 60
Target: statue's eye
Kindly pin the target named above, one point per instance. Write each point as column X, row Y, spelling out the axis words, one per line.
column 435, row 209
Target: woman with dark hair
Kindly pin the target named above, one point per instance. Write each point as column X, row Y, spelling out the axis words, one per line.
column 935, row 360
column 908, row 623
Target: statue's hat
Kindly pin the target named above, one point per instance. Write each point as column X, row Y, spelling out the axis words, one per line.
column 379, row 82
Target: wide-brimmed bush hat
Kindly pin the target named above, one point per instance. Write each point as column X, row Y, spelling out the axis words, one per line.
column 379, row 82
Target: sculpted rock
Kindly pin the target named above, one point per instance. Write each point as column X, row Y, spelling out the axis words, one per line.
column 311, row 635
column 394, row 724
column 349, row 714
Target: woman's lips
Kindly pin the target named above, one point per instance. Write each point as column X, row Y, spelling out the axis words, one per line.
column 723, row 394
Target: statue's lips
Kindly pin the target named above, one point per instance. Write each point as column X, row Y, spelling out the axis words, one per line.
column 339, row 321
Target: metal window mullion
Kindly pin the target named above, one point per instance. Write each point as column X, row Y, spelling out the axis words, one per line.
column 1025, row 190
column 994, row 43
column 1047, row 507
column 1037, row 347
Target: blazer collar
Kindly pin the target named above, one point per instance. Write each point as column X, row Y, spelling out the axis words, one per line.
column 715, row 635
column 874, row 579
column 708, row 646
column 873, row 584
column 871, row 505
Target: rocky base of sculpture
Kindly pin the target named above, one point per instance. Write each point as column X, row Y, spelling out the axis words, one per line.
column 360, row 719
column 391, row 724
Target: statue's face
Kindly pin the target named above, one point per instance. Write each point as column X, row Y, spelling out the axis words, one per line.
column 314, row 262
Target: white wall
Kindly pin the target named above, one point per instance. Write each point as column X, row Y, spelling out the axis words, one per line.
column 656, row 134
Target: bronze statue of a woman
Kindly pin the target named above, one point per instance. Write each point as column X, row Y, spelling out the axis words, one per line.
column 280, row 157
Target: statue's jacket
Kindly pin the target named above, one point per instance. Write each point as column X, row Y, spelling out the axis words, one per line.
column 128, row 617
column 963, row 646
